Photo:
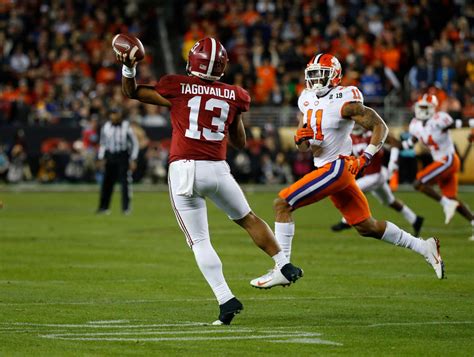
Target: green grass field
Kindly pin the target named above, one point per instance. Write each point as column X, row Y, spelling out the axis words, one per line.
column 72, row 283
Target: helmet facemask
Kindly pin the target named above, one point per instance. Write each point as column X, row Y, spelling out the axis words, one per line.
column 424, row 111
column 319, row 78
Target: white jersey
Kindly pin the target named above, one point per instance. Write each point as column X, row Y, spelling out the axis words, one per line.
column 332, row 131
column 433, row 134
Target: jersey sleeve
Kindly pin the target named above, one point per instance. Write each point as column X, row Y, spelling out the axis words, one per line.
column 346, row 95
column 302, row 100
column 351, row 94
column 243, row 100
column 411, row 128
column 168, row 86
column 443, row 120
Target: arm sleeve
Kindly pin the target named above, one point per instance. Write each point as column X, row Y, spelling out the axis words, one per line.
column 133, row 143
column 101, row 152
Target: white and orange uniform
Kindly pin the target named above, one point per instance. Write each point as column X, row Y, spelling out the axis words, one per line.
column 444, row 169
column 332, row 138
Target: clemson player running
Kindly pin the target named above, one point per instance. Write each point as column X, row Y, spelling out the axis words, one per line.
column 205, row 113
column 329, row 113
column 374, row 180
column 432, row 129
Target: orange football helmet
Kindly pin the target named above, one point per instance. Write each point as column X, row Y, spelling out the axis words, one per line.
column 322, row 73
column 425, row 107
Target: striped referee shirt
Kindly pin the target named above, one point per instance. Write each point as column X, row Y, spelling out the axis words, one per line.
column 116, row 139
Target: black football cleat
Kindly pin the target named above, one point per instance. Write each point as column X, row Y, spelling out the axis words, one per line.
column 417, row 225
column 340, row 227
column 291, row 273
column 227, row 311
column 284, row 277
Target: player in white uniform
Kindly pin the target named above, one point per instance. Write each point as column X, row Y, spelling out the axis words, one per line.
column 329, row 113
column 374, row 180
column 432, row 129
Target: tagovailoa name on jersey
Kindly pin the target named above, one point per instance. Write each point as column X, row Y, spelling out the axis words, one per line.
column 199, row 89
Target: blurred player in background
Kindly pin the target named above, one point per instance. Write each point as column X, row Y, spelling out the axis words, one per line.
column 432, row 129
column 205, row 114
column 329, row 113
column 374, row 180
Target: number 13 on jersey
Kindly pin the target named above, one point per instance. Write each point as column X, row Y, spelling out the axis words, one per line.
column 217, row 134
column 319, row 117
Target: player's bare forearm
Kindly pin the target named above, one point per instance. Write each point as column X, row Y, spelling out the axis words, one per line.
column 143, row 93
column 237, row 137
column 129, row 87
column 369, row 119
column 392, row 141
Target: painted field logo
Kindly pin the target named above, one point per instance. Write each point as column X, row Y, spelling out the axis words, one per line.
column 124, row 330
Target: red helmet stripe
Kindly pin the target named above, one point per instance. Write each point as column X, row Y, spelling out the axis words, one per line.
column 213, row 56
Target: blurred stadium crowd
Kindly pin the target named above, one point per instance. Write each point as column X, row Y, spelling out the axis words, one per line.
column 57, row 68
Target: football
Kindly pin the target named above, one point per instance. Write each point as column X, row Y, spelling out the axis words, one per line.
column 128, row 46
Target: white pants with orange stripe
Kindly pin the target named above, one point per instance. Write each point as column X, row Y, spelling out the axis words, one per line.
column 212, row 179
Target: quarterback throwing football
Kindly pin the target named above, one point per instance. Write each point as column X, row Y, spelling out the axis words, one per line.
column 329, row 113
column 205, row 114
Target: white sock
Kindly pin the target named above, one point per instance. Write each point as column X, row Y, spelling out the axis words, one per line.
column 444, row 201
column 284, row 233
column 280, row 259
column 399, row 237
column 211, row 267
column 408, row 214
column 343, row 220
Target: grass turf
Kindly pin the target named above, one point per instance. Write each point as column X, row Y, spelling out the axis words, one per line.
column 72, row 283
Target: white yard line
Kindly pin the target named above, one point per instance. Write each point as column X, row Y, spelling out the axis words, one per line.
column 421, row 323
column 101, row 322
column 149, row 301
column 96, row 326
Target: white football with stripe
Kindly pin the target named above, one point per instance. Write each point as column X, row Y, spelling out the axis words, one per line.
column 128, row 46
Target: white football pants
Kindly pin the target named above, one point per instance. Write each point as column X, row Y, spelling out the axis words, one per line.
column 212, row 179
column 378, row 186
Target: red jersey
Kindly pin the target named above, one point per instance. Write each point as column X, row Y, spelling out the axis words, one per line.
column 201, row 113
column 359, row 144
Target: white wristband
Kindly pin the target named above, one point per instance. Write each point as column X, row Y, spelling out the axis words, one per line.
column 394, row 151
column 129, row 72
column 371, row 149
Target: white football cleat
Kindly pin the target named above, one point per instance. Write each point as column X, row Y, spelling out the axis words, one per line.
column 449, row 210
column 287, row 275
column 272, row 278
column 433, row 257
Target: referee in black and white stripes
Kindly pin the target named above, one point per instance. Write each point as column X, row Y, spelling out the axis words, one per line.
column 119, row 150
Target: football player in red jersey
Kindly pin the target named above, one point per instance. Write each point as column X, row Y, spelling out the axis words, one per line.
column 205, row 114
column 374, row 180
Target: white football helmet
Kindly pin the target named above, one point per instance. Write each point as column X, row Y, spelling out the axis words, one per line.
column 425, row 107
column 322, row 73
